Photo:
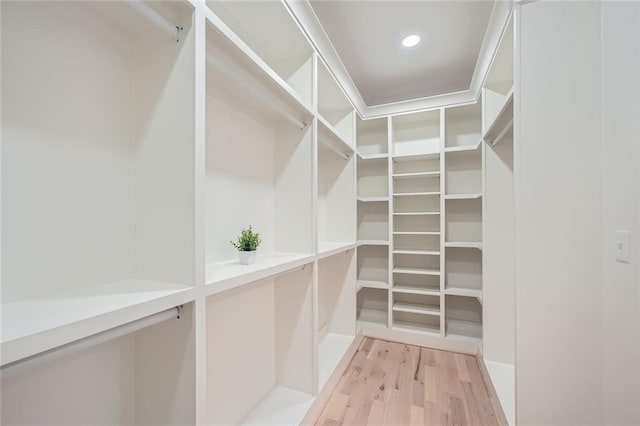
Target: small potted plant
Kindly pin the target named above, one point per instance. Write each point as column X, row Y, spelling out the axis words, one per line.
column 247, row 244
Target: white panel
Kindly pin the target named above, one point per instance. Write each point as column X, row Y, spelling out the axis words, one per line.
column 95, row 386
column 238, row 379
column 559, row 210
column 621, row 189
column 164, row 176
column 68, row 152
column 373, row 178
column 165, row 372
column 336, row 285
column 294, row 330
column 499, row 255
column 240, row 187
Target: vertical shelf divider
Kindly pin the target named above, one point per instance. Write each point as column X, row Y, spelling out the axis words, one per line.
column 443, row 212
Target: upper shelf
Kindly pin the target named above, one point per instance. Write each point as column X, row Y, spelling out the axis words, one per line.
column 416, row 157
column 328, row 135
column 473, row 196
column 222, row 276
column 502, row 123
column 280, row 45
column 372, row 156
column 463, row 148
column 333, row 106
column 35, row 325
column 236, row 72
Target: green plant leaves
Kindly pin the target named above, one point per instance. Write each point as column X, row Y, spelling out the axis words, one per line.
column 248, row 240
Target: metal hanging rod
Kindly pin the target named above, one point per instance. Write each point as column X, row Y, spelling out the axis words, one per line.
column 256, row 92
column 174, row 31
column 88, row 342
column 332, row 147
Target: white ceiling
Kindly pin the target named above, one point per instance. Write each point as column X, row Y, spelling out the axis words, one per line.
column 367, row 36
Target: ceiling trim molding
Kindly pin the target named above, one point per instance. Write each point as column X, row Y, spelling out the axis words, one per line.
column 498, row 23
column 307, row 19
column 310, row 24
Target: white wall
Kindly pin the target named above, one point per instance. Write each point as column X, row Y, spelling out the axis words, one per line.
column 559, row 215
column 620, row 188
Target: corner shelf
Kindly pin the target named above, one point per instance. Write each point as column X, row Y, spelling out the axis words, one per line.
column 372, row 156
column 408, row 289
column 373, row 243
column 415, row 308
column 415, row 157
column 464, row 292
column 416, row 232
column 373, row 199
column 463, row 148
column 32, row 326
column 282, row 405
column 360, row 284
column 430, row 330
column 502, row 123
column 222, row 276
column 417, row 214
column 416, row 175
column 463, row 244
column 415, row 271
column 418, row 252
column 415, row 194
column 473, row 196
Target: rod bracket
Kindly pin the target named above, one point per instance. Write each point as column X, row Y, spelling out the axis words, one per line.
column 179, row 308
column 179, row 31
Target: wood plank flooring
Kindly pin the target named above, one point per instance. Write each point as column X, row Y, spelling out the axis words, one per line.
column 389, row 383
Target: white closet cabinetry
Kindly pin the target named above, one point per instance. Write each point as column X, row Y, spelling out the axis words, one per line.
column 98, row 203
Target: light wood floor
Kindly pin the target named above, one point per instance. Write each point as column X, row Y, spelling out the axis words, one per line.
column 390, row 383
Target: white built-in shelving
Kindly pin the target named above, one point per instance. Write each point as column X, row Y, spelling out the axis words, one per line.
column 97, row 213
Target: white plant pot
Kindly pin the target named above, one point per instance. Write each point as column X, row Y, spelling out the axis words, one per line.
column 247, row 257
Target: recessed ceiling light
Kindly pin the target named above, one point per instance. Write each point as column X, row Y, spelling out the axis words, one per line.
column 410, row 41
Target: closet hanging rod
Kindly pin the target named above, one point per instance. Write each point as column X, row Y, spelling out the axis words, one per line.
column 330, row 145
column 502, row 133
column 256, row 92
column 174, row 31
column 88, row 342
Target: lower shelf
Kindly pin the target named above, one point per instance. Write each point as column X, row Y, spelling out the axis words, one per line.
column 281, row 406
column 331, row 349
column 465, row 292
column 430, row 330
column 32, row 326
column 371, row 318
column 222, row 276
column 464, row 330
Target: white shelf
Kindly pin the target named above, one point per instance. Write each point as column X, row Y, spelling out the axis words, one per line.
column 417, row 214
column 222, row 276
column 32, row 326
column 329, row 248
column 373, row 243
column 463, row 244
column 463, row 196
column 468, row 331
column 406, row 289
column 502, row 122
column 416, row 232
column 415, row 308
column 372, row 156
column 373, row 199
column 328, row 134
column 281, row 406
column 431, row 330
column 416, row 175
column 465, row 292
column 463, row 148
column 371, row 318
column 360, row 284
column 415, row 194
column 416, row 157
column 331, row 349
column 415, row 271
column 418, row 252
